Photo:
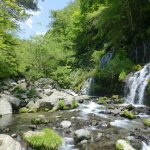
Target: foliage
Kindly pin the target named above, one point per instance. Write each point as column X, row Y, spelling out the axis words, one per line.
column 46, row 140
column 148, row 88
column 122, row 76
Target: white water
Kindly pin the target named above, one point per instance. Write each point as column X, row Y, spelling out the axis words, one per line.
column 145, row 146
column 92, row 108
column 136, row 85
column 87, row 87
column 68, row 144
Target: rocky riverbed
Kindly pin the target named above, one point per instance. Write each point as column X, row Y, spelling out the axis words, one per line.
column 90, row 126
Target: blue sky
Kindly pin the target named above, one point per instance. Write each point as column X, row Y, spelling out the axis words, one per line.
column 39, row 22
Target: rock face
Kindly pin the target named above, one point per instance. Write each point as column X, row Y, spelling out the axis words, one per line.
column 65, row 124
column 123, row 145
column 82, row 134
column 8, row 143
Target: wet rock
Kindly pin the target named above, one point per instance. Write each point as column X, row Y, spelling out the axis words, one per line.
column 83, row 142
column 32, row 127
column 81, row 98
column 123, row 145
column 65, row 124
column 40, row 119
column 14, row 135
column 105, row 125
column 130, row 107
column 82, row 134
column 8, row 143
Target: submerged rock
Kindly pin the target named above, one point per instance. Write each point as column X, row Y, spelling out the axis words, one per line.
column 65, row 124
column 40, row 119
column 123, row 145
column 82, row 134
column 8, row 143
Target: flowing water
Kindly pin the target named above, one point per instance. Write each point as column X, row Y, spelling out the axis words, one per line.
column 88, row 115
column 136, row 85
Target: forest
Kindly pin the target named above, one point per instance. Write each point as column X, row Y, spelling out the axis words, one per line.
column 99, row 46
column 78, row 37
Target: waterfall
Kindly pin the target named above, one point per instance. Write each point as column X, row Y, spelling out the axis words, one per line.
column 136, row 85
column 87, row 87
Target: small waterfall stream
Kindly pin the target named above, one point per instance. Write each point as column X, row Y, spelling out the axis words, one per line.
column 136, row 85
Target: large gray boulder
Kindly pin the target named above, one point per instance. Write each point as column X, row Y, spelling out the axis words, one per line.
column 82, row 134
column 11, row 99
column 8, row 103
column 52, row 101
column 5, row 107
column 8, row 143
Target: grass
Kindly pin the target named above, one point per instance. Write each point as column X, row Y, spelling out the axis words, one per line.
column 46, row 140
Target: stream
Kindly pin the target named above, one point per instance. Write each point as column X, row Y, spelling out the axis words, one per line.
column 89, row 115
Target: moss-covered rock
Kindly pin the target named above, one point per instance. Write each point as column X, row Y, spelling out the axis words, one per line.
column 23, row 110
column 46, row 139
column 40, row 119
column 128, row 114
column 146, row 122
column 62, row 105
column 102, row 100
column 130, row 107
column 33, row 110
column 123, row 145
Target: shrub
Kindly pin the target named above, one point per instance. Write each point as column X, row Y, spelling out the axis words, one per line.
column 47, row 139
column 137, row 67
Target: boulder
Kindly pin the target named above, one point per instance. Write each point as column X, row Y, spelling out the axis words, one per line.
column 123, row 145
column 52, row 101
column 8, row 143
column 5, row 107
column 65, row 124
column 82, row 134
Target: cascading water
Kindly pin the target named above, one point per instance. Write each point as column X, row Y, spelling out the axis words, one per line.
column 136, row 85
column 87, row 87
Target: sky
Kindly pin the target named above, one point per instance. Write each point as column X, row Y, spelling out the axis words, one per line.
column 38, row 24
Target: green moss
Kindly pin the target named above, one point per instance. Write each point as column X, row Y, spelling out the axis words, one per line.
column 114, row 97
column 122, row 76
column 39, row 120
column 23, row 110
column 74, row 104
column 127, row 114
column 146, row 122
column 137, row 67
column 33, row 110
column 119, row 146
column 62, row 105
column 102, row 100
column 47, row 140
